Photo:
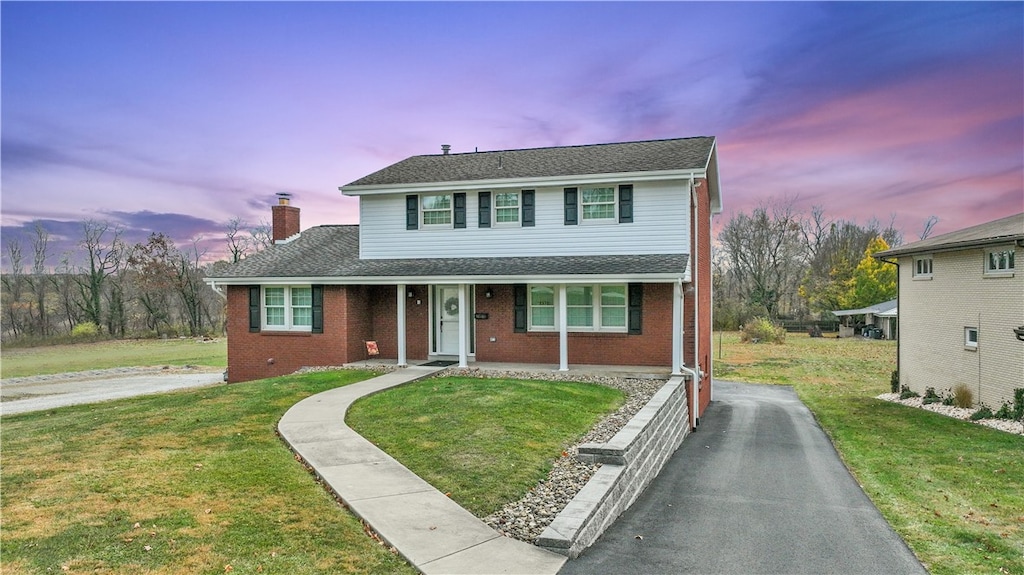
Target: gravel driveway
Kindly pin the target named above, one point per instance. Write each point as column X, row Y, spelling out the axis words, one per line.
column 42, row 392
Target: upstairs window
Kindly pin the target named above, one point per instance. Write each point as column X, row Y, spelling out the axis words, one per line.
column 506, row 208
column 999, row 261
column 598, row 204
column 436, row 210
column 923, row 267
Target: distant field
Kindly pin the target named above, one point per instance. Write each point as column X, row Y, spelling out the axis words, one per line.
column 952, row 489
column 21, row 362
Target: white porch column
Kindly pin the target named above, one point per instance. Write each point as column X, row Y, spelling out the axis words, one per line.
column 463, row 326
column 677, row 327
column 402, row 361
column 563, row 330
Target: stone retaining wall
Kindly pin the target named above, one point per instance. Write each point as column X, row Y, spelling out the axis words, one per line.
column 631, row 460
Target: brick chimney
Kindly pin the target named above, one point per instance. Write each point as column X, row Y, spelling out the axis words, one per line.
column 286, row 218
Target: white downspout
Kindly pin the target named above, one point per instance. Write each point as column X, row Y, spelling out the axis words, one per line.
column 693, row 396
column 695, row 276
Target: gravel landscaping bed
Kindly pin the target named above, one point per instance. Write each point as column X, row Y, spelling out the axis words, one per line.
column 1006, row 425
column 526, row 519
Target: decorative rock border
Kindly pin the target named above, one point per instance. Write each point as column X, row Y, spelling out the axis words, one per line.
column 630, row 461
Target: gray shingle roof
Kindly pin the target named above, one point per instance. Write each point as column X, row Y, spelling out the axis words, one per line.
column 333, row 252
column 646, row 156
column 1003, row 230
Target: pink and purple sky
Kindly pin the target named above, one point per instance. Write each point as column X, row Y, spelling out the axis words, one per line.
column 176, row 117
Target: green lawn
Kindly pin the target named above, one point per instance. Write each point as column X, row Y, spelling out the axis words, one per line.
column 40, row 360
column 953, row 490
column 485, row 442
column 190, row 482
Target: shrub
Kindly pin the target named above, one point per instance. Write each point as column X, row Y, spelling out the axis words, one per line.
column 982, row 413
column 1018, row 403
column 85, row 330
column 907, row 393
column 948, row 398
column 963, row 396
column 1005, row 411
column 894, row 382
column 761, row 329
column 930, row 396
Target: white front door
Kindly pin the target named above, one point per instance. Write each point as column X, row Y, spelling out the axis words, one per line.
column 446, row 314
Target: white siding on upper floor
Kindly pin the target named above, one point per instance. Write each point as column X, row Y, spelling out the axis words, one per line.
column 661, row 215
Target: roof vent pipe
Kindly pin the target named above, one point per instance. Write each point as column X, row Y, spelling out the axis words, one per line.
column 445, row 148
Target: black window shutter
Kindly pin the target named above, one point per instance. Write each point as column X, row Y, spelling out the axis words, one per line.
column 484, row 217
column 318, row 309
column 519, row 295
column 626, row 204
column 254, row 308
column 636, row 305
column 528, row 208
column 412, row 212
column 460, row 209
column 571, row 213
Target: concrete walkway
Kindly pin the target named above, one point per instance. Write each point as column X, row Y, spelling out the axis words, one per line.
column 758, row 488
column 430, row 530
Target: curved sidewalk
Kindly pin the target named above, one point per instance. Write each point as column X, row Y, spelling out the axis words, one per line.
column 430, row 530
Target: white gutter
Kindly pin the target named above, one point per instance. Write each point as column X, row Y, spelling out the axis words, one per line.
column 455, row 279
column 549, row 181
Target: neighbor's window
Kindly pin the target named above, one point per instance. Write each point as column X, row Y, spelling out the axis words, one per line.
column 923, row 267
column 587, row 307
column 436, row 210
column 288, row 308
column 999, row 261
column 598, row 204
column 506, row 208
column 971, row 337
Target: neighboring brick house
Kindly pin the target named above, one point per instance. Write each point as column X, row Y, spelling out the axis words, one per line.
column 960, row 299
column 594, row 254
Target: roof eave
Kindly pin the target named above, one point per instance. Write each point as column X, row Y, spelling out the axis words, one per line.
column 421, row 187
column 952, row 246
column 454, row 279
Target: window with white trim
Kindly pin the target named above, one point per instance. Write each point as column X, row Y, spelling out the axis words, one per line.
column 542, row 307
column 588, row 307
column 598, row 204
column 923, row 267
column 288, row 308
column 999, row 261
column 971, row 337
column 506, row 208
column 436, row 210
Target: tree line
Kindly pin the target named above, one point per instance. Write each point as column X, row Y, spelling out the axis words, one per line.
column 110, row 287
column 784, row 264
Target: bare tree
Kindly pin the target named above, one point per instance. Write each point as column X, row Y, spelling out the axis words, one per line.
column 13, row 284
column 929, row 224
column 262, row 236
column 38, row 281
column 764, row 251
column 105, row 253
column 238, row 243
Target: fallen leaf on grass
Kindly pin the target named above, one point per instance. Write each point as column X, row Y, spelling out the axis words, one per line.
column 148, row 548
column 640, row 537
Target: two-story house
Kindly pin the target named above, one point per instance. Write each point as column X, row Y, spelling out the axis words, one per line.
column 961, row 297
column 595, row 254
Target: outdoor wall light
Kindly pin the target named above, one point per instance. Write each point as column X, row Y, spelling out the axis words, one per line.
column 410, row 294
column 1019, row 332
column 489, row 293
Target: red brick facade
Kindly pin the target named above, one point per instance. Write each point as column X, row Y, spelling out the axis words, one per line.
column 354, row 314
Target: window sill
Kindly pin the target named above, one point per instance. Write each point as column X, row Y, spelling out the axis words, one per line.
column 970, row 348
column 295, row 333
column 588, row 332
column 993, row 275
column 922, row 278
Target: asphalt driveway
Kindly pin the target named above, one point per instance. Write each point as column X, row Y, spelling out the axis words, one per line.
column 757, row 489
